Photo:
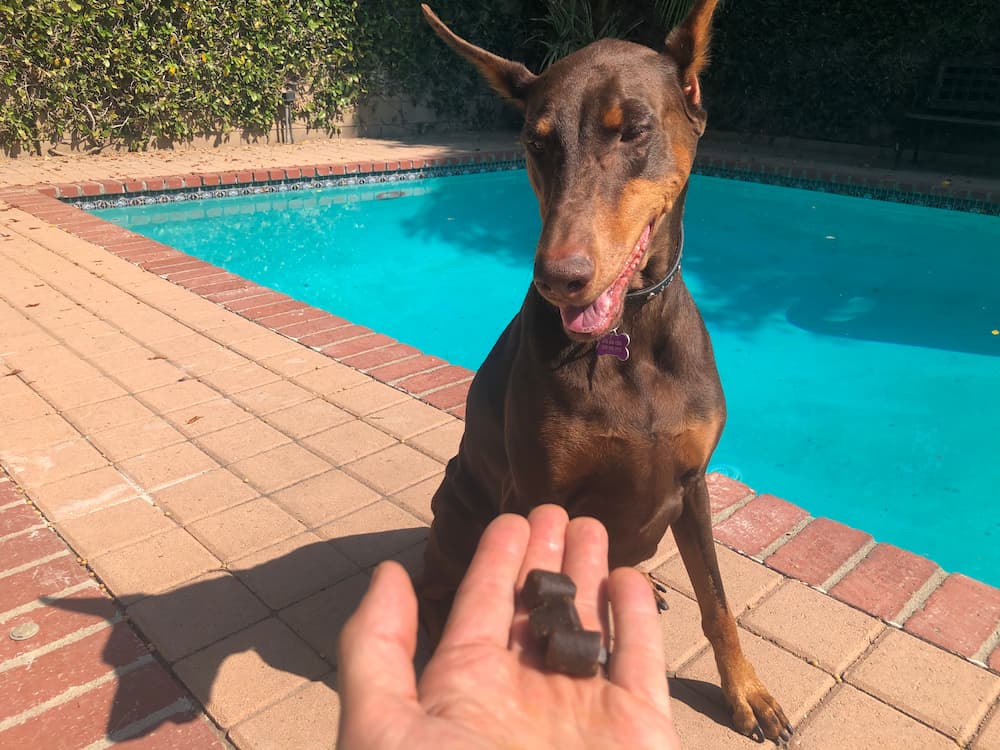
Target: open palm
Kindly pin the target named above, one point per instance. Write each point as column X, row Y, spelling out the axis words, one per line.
column 484, row 686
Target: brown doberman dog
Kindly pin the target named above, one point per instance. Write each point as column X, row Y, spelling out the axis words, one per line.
column 602, row 394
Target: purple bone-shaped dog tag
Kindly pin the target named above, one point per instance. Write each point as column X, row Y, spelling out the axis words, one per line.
column 615, row 345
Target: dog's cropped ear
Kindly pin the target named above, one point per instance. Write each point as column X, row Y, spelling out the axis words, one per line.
column 509, row 78
column 688, row 45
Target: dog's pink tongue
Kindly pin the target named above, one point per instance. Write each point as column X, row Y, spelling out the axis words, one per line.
column 590, row 318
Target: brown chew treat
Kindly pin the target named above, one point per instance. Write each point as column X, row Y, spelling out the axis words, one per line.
column 542, row 586
column 574, row 652
column 559, row 614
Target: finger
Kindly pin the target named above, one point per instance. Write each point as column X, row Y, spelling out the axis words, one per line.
column 484, row 603
column 585, row 560
column 637, row 662
column 544, row 552
column 547, row 541
column 376, row 649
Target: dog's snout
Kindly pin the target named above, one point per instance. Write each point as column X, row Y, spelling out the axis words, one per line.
column 564, row 276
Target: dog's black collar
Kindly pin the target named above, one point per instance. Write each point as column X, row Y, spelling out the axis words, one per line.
column 649, row 292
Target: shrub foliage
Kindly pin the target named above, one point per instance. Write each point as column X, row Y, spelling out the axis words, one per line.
column 129, row 72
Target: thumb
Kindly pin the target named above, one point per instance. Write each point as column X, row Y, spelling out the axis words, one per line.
column 375, row 656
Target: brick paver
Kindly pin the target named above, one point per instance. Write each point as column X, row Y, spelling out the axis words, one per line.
column 233, row 489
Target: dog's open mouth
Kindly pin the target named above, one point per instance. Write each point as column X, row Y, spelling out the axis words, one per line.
column 600, row 316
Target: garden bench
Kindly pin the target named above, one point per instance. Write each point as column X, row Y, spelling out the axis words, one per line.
column 965, row 92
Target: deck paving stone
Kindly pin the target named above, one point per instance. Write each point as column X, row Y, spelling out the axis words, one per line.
column 325, row 497
column 260, row 346
column 367, row 397
column 271, row 397
column 307, row 719
column 293, row 569
column 348, row 442
column 111, row 528
column 307, row 418
column 83, row 493
column 394, row 469
column 441, row 442
column 40, row 466
column 104, row 415
column 211, row 416
column 238, row 531
column 746, row 581
column 280, row 467
column 813, row 626
column 169, row 465
column 989, row 735
column 449, row 398
column 180, row 395
column 374, row 533
column 34, row 432
column 153, row 374
column 249, row 670
column 206, row 362
column 330, row 380
column 797, row 686
column 114, row 362
column 187, row 344
column 853, row 719
column 136, row 438
column 204, row 495
column 929, row 684
column 416, row 499
column 408, row 418
column 153, row 565
column 681, row 626
column 197, row 613
column 298, row 361
column 242, row 440
column 239, row 378
column 319, row 618
column 703, row 720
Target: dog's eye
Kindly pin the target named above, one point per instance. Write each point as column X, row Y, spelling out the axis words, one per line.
column 534, row 145
column 635, row 132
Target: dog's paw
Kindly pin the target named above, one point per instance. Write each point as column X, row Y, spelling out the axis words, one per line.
column 757, row 714
column 659, row 589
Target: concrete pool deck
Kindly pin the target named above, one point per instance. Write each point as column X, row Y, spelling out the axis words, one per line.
column 203, row 473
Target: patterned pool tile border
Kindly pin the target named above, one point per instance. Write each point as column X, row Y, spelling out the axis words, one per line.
column 914, row 190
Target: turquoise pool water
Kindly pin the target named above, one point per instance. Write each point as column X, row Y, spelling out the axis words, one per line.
column 854, row 337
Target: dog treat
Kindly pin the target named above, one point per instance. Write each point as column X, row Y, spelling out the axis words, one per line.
column 543, row 586
column 574, row 652
column 553, row 617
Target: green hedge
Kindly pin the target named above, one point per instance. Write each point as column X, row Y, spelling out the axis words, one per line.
column 125, row 72
column 838, row 70
column 128, row 72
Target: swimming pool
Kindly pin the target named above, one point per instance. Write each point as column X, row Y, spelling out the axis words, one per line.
column 854, row 337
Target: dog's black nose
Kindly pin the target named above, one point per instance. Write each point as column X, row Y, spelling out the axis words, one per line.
column 565, row 276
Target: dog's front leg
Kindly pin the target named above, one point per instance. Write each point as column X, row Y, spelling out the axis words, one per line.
column 755, row 712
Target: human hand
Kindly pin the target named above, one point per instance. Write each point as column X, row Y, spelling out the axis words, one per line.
column 484, row 686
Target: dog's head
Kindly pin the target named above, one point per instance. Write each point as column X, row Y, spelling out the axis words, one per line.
column 610, row 133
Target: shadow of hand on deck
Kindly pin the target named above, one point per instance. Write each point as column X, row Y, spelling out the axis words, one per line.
column 284, row 611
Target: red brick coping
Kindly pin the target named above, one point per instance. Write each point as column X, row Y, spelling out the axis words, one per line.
column 953, row 611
